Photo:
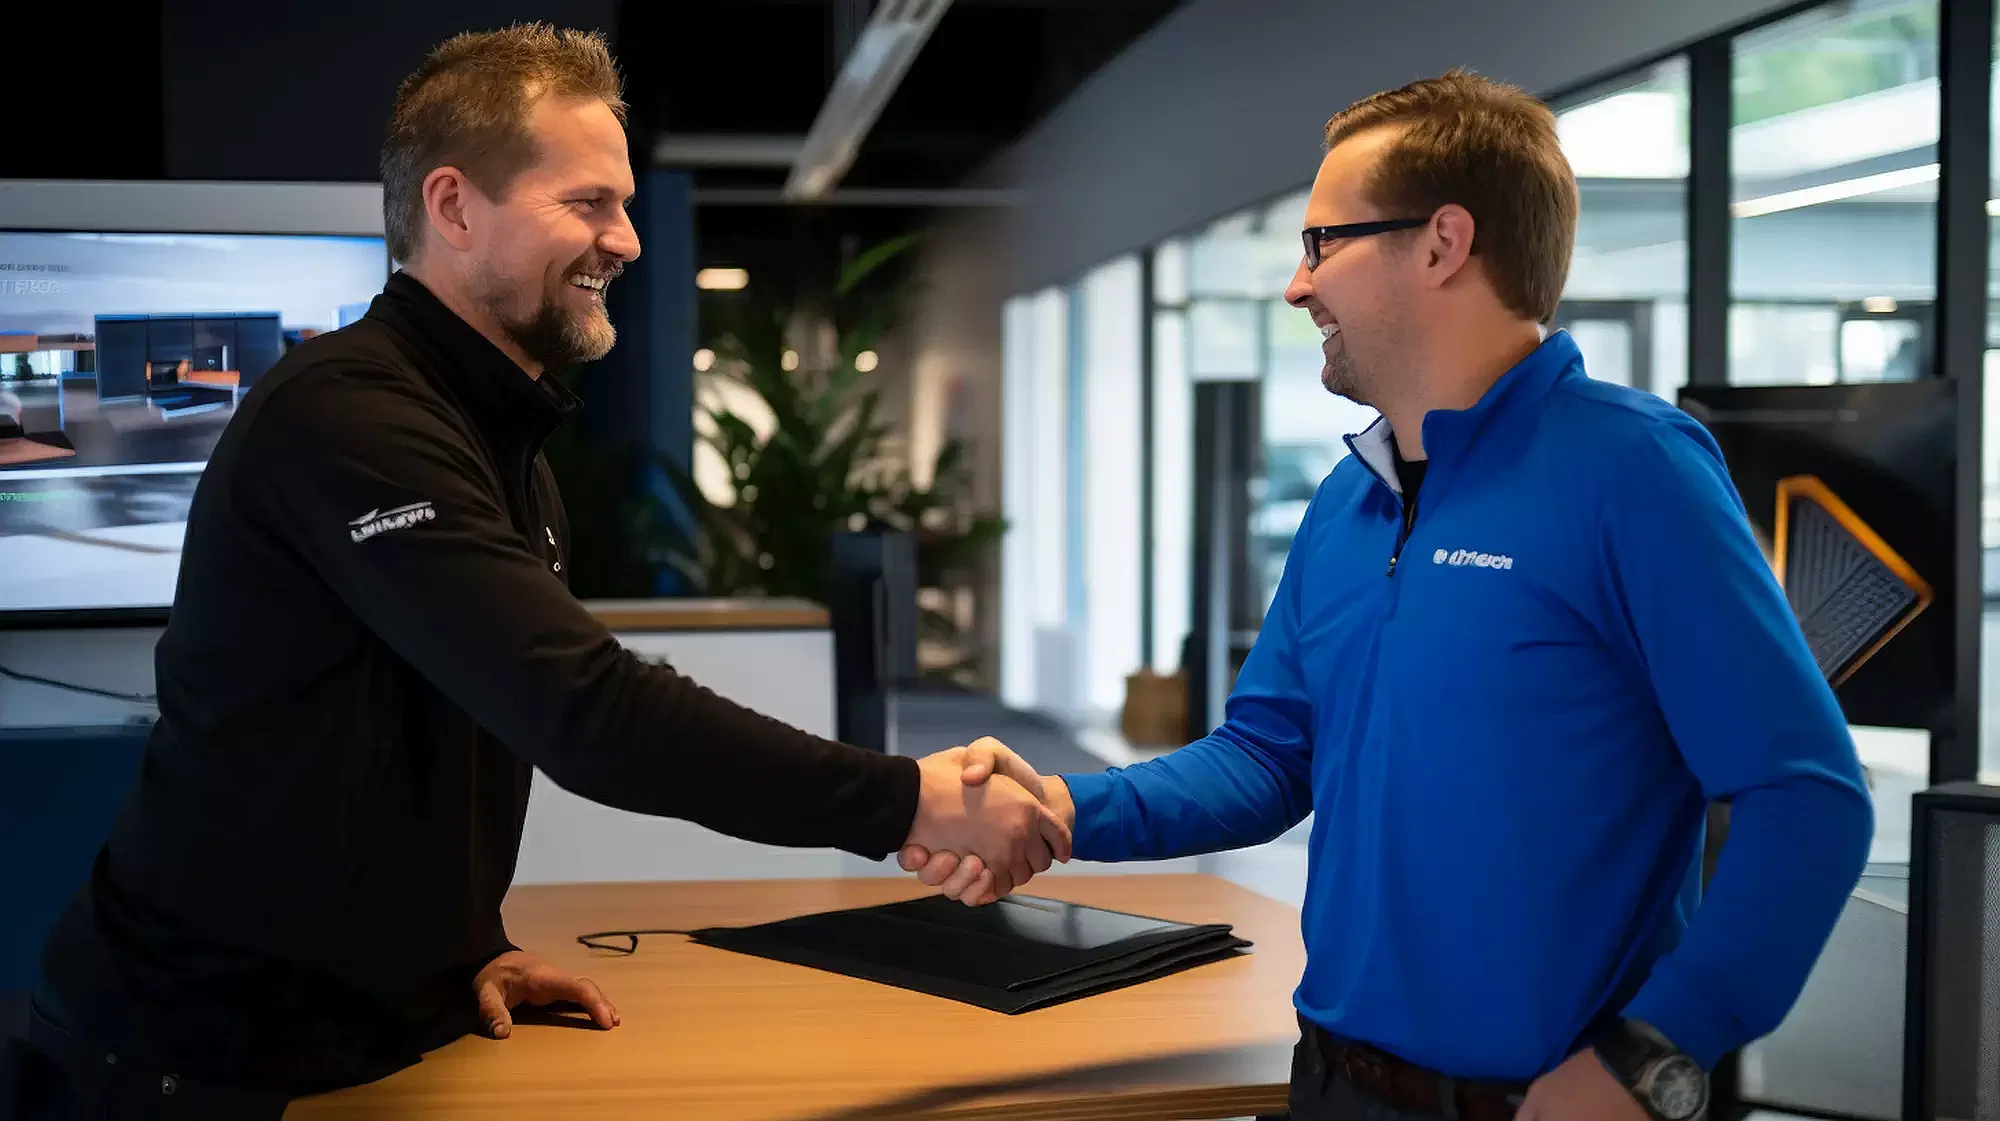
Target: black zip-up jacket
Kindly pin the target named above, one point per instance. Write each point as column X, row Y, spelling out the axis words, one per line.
column 371, row 647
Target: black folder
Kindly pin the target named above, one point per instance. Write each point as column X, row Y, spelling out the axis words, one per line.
column 1013, row 956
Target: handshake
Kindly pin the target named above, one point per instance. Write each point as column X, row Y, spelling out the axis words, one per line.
column 986, row 822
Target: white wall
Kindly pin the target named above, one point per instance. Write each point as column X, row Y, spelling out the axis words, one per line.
column 1113, row 328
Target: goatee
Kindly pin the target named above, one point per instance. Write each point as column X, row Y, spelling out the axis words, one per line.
column 557, row 338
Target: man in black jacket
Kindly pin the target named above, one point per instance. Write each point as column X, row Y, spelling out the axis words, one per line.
column 372, row 646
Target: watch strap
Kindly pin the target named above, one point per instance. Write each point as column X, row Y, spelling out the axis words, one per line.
column 1624, row 1050
column 1630, row 1049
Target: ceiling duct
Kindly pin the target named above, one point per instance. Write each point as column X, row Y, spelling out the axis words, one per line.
column 873, row 68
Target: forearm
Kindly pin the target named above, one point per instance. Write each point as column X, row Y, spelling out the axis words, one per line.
column 1796, row 849
column 1214, row 794
column 655, row 742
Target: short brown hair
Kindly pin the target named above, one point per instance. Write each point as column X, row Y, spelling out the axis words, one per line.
column 467, row 107
column 1491, row 149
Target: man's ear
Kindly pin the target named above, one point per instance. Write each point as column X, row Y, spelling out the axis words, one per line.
column 446, row 194
column 1446, row 244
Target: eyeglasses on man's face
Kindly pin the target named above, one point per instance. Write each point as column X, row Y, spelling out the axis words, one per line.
column 1317, row 238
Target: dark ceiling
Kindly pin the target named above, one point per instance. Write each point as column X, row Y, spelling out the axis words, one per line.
column 989, row 71
column 311, row 85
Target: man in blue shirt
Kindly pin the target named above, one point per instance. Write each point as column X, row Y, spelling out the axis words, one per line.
column 1523, row 638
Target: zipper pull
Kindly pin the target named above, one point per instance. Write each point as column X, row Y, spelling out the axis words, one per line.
column 1392, row 565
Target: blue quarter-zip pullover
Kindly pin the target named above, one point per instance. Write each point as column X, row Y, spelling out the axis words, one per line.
column 1508, row 739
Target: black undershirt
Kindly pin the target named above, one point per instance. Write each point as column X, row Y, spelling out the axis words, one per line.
column 1410, row 475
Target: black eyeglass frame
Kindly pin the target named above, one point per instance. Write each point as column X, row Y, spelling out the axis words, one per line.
column 1315, row 236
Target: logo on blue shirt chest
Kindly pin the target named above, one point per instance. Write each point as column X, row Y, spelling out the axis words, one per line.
column 1469, row 558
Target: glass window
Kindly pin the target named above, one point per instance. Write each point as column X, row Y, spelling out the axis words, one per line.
column 1173, row 488
column 1049, row 376
column 1172, row 545
column 1170, row 273
column 1112, row 318
column 1626, row 300
column 1017, row 498
column 1833, row 150
column 1783, row 344
column 1250, row 255
column 1223, row 341
column 1034, row 552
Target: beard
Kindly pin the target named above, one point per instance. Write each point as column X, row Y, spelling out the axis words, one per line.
column 1342, row 377
column 551, row 333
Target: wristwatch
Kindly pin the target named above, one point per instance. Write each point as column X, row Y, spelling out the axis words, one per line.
column 1667, row 1082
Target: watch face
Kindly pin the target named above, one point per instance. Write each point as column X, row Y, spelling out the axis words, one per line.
column 1678, row 1089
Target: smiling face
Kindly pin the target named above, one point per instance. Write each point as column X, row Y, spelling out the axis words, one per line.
column 539, row 258
column 1362, row 294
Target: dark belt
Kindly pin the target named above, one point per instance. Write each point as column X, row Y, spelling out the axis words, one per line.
column 109, row 1085
column 1411, row 1088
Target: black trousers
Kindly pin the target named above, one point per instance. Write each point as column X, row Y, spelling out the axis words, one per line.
column 49, row 1073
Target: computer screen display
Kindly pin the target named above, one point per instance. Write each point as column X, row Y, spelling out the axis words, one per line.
column 122, row 357
column 1849, row 489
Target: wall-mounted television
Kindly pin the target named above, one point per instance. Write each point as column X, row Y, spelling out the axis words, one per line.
column 134, row 319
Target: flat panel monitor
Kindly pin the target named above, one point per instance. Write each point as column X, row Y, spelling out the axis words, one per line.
column 1850, row 491
column 122, row 357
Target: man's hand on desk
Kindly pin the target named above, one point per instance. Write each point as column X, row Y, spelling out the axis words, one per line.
column 1001, row 828
column 966, row 876
column 516, row 978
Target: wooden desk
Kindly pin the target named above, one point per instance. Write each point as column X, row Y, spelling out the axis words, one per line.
column 721, row 614
column 717, row 1036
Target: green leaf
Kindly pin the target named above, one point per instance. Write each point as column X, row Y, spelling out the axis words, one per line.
column 870, row 260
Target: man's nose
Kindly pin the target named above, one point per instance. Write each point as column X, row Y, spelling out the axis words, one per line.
column 1300, row 289
column 622, row 239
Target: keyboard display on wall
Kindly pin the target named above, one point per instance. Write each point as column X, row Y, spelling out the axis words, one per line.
column 1850, row 592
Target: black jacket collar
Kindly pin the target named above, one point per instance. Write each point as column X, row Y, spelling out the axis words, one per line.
column 510, row 407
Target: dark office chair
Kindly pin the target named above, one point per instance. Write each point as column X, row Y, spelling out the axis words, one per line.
column 60, row 790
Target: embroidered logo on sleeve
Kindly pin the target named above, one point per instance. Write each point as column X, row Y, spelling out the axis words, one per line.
column 382, row 521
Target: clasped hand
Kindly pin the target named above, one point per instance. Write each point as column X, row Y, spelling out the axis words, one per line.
column 986, row 823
